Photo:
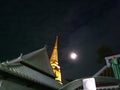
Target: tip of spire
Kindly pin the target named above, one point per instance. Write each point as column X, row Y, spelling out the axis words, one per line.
column 56, row 42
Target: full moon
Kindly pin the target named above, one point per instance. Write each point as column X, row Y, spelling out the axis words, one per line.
column 73, row 55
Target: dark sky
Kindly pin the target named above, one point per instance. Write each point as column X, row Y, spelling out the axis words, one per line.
column 82, row 26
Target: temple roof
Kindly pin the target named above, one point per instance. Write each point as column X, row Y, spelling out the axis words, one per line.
column 37, row 60
column 34, row 66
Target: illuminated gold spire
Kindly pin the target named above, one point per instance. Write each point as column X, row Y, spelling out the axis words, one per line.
column 54, row 61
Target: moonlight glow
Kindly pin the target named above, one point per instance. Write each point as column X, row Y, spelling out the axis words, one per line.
column 73, row 55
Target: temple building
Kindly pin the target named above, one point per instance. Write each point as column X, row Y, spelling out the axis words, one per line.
column 28, row 72
column 111, row 69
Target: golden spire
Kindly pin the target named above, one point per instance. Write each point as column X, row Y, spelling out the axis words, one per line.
column 54, row 61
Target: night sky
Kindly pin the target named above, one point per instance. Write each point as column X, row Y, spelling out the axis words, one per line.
column 82, row 26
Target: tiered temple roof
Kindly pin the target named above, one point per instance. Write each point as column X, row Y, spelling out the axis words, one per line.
column 33, row 67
